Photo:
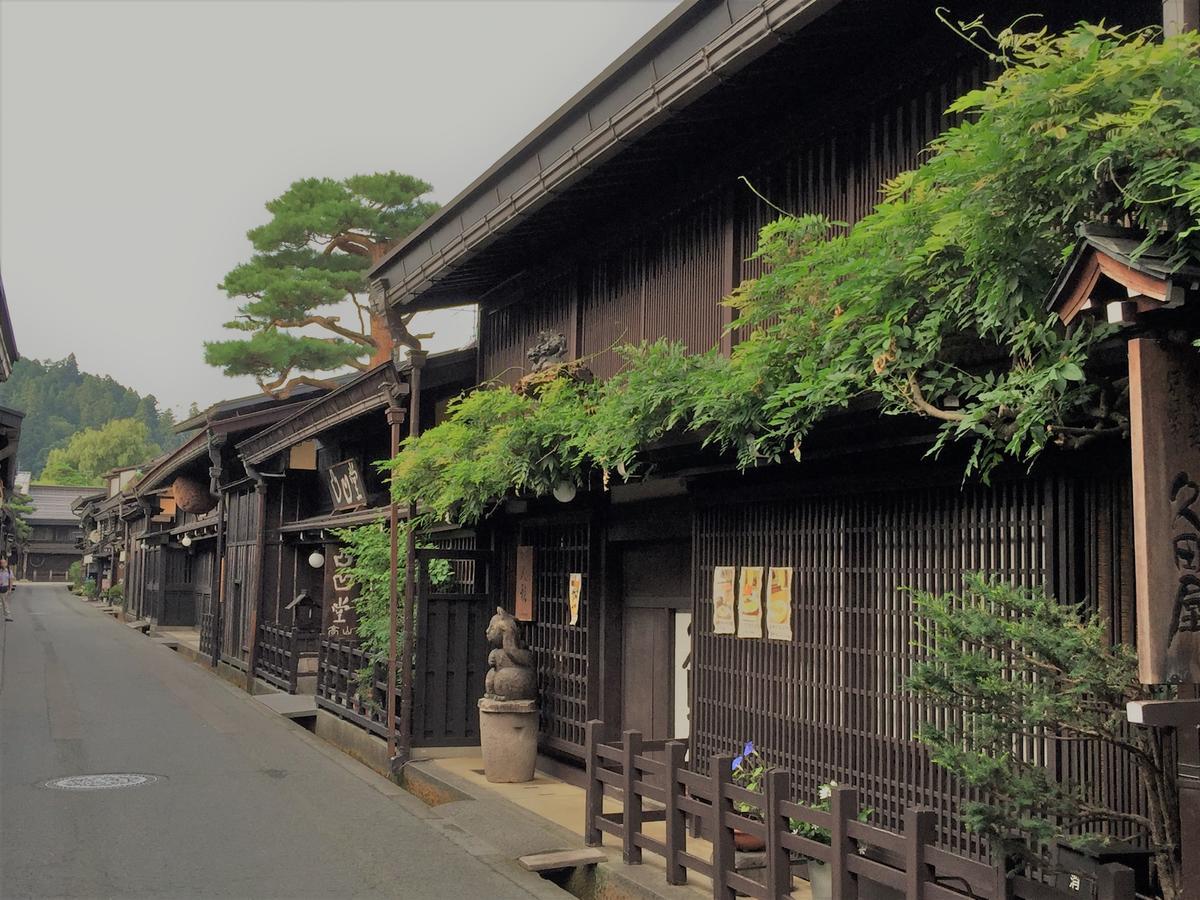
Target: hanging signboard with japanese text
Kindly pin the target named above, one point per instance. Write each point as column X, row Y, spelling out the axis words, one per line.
column 1164, row 410
column 346, row 486
column 341, row 618
column 750, row 610
column 723, row 599
column 523, row 602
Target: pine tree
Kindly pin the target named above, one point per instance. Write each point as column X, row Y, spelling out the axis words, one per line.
column 313, row 254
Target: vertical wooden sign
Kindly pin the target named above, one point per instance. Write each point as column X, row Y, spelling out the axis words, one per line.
column 523, row 604
column 341, row 616
column 1164, row 409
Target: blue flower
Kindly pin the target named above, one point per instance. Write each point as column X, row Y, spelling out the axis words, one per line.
column 748, row 749
column 737, row 761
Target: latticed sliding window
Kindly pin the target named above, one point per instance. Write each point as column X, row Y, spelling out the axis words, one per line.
column 560, row 648
column 830, row 703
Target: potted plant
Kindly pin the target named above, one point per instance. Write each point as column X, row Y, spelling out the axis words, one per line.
column 748, row 770
column 819, row 877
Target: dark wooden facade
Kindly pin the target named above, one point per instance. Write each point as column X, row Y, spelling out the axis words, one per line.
column 294, row 461
column 643, row 245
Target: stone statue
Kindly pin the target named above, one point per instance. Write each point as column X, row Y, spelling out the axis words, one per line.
column 550, row 350
column 511, row 675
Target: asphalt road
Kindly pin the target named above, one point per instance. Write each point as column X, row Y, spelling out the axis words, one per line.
column 244, row 806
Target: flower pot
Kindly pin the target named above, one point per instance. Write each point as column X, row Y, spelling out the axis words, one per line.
column 747, row 842
column 820, row 879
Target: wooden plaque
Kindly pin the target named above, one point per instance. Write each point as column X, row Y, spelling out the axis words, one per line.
column 524, row 599
column 1164, row 408
column 346, row 486
column 340, row 619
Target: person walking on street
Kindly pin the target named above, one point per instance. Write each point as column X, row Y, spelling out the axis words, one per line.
column 6, row 585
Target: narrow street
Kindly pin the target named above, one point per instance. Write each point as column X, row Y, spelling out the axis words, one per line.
column 244, row 805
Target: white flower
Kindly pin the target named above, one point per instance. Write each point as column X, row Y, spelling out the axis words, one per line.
column 826, row 791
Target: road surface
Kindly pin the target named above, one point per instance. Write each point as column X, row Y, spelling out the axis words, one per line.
column 243, row 806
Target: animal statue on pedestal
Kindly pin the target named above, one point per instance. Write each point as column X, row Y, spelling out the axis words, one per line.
column 511, row 675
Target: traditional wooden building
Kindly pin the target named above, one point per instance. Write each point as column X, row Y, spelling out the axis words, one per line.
column 626, row 217
column 195, row 523
column 10, row 425
column 318, row 474
column 55, row 534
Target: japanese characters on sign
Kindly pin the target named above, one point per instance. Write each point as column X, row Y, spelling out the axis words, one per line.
column 346, row 486
column 341, row 617
column 1164, row 387
column 523, row 605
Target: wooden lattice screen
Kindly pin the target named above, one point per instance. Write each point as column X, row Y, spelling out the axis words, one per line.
column 829, row 704
column 560, row 649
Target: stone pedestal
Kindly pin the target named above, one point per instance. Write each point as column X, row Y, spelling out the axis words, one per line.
column 508, row 732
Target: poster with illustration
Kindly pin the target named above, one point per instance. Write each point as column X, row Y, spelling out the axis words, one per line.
column 750, row 611
column 779, row 603
column 723, row 599
column 574, row 592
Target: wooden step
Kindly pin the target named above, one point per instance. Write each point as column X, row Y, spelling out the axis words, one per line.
column 563, row 859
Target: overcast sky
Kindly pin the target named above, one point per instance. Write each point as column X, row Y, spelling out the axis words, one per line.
column 139, row 141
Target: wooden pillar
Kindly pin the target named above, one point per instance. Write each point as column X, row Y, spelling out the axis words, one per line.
column 260, row 493
column 416, row 359
column 217, row 590
column 395, row 418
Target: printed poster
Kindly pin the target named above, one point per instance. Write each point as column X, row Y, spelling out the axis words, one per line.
column 779, row 603
column 574, row 592
column 750, row 611
column 723, row 599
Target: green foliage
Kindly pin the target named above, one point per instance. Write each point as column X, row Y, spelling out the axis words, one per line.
column 58, row 400
column 939, row 293
column 370, row 548
column 933, row 304
column 19, row 506
column 89, row 589
column 75, row 575
column 824, row 803
column 312, row 256
column 92, row 452
column 115, row 594
column 1016, row 669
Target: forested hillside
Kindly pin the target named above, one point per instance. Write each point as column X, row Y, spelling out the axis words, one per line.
column 58, row 400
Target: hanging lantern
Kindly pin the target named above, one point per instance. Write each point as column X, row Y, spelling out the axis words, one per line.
column 316, row 559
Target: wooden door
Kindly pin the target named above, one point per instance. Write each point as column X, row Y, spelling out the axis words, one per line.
column 451, row 646
column 656, row 594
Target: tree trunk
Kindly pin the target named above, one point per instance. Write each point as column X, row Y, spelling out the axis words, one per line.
column 381, row 334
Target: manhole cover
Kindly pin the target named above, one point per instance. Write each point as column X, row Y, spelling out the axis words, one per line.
column 99, row 782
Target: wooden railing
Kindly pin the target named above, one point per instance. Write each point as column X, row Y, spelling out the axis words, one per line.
column 864, row 861
column 338, row 685
column 279, row 651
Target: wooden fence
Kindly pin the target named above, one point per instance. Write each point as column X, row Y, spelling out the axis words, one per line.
column 340, row 691
column 864, row 861
column 279, row 651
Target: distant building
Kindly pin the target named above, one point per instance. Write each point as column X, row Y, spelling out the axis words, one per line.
column 10, row 427
column 55, row 532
